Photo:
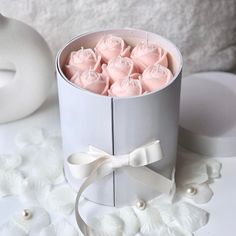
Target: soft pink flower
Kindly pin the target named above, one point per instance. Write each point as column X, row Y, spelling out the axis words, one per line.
column 146, row 54
column 92, row 81
column 118, row 68
column 155, row 77
column 110, row 47
column 82, row 60
column 125, row 88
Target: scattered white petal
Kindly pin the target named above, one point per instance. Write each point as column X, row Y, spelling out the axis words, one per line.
column 131, row 222
column 44, row 163
column 173, row 231
column 48, row 231
column 11, row 229
column 161, row 199
column 213, row 168
column 60, row 228
column 39, row 220
column 191, row 173
column 10, row 182
column 189, row 217
column 62, row 199
column 150, row 219
column 108, row 225
column 203, row 194
column 64, row 228
column 54, row 144
column 10, row 161
column 34, row 191
column 29, row 137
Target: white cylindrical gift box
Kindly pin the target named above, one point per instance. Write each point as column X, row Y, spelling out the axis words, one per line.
column 119, row 125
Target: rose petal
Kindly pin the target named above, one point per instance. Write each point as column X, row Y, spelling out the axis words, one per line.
column 109, row 224
column 189, row 217
column 125, row 88
column 10, row 182
column 60, row 228
column 150, row 219
column 51, row 169
column 10, row 161
column 130, row 220
column 11, row 229
column 170, row 231
column 39, row 219
column 29, row 137
column 48, row 231
column 213, row 168
column 195, row 173
column 62, row 199
column 203, row 194
column 34, row 191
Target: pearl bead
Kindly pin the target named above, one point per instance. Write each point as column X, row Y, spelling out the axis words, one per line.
column 141, row 205
column 26, row 214
column 191, row 191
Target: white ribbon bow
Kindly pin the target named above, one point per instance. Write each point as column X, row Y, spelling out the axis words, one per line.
column 97, row 164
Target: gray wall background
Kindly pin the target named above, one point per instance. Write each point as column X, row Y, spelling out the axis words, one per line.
column 204, row 30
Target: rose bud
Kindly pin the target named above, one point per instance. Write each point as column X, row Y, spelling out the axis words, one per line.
column 155, row 77
column 92, row 81
column 118, row 68
column 82, row 60
column 110, row 47
column 125, row 87
column 146, row 54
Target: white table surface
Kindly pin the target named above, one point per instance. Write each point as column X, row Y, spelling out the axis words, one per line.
column 222, row 207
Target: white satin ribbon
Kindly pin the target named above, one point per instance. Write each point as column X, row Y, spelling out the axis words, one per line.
column 96, row 164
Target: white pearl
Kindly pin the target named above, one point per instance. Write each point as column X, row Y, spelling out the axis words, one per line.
column 26, row 214
column 191, row 191
column 141, row 205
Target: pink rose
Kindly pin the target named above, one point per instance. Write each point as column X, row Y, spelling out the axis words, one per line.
column 146, row 54
column 125, row 88
column 82, row 60
column 118, row 68
column 92, row 81
column 155, row 77
column 111, row 46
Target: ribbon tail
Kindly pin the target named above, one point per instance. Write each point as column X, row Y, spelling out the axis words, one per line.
column 151, row 179
column 99, row 172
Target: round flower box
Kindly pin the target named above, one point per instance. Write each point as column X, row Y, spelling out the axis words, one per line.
column 118, row 125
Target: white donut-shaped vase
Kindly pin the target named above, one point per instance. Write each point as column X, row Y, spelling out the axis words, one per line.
column 24, row 51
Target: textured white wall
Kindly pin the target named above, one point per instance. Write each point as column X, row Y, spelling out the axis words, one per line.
column 205, row 30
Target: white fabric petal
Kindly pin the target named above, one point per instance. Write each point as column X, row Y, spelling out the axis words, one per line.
column 44, row 163
column 10, row 182
column 10, row 161
column 39, row 220
column 108, row 225
column 213, row 168
column 195, row 172
column 62, row 199
column 131, row 222
column 48, row 231
column 54, row 144
column 170, row 231
column 150, row 219
column 203, row 194
column 174, row 231
column 29, row 137
column 51, row 169
column 189, row 217
column 10, row 229
column 34, row 191
column 61, row 228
